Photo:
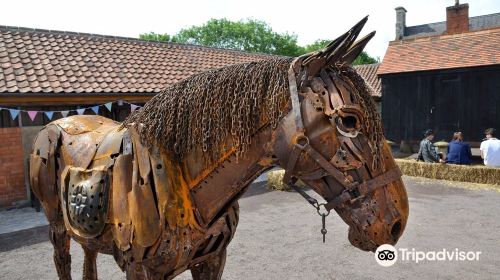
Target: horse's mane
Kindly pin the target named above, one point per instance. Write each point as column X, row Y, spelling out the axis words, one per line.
column 203, row 110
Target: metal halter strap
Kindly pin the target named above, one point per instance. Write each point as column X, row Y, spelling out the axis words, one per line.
column 301, row 145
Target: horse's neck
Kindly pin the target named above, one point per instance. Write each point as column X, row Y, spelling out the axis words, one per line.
column 215, row 187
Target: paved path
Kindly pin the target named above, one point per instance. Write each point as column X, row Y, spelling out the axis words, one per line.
column 278, row 238
column 21, row 219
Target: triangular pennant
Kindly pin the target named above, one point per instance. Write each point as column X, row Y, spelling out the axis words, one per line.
column 108, row 105
column 80, row 111
column 32, row 115
column 49, row 114
column 13, row 113
column 133, row 107
column 95, row 109
column 64, row 113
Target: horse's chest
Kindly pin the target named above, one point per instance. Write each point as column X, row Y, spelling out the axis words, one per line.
column 179, row 248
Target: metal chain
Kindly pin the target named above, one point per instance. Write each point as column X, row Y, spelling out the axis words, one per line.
column 315, row 204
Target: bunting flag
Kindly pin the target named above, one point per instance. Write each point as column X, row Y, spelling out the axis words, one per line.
column 13, row 113
column 32, row 115
column 49, row 114
column 95, row 109
column 108, row 105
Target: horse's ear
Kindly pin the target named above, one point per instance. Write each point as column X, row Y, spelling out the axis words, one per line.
column 356, row 49
column 338, row 48
column 335, row 51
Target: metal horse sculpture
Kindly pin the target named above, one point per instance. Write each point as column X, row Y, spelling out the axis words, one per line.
column 160, row 191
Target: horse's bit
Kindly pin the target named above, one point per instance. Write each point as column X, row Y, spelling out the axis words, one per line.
column 352, row 190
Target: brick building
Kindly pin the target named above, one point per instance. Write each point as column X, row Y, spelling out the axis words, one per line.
column 444, row 76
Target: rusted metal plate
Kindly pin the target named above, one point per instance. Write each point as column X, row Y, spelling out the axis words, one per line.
column 143, row 209
column 83, row 123
column 120, row 217
column 78, row 150
column 41, row 144
column 81, row 140
column 108, row 148
column 163, row 187
column 214, row 192
column 141, row 156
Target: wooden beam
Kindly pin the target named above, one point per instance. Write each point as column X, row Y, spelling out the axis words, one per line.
column 25, row 99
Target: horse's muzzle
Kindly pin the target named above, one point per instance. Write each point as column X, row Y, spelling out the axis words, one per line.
column 378, row 219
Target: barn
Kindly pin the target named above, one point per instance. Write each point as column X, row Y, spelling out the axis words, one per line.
column 444, row 76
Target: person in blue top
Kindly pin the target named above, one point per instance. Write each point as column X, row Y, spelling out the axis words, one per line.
column 458, row 151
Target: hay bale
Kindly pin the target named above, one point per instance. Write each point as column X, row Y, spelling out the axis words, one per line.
column 463, row 173
column 442, row 147
column 441, row 144
column 275, row 181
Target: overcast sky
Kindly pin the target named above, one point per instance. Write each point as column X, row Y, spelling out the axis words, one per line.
column 310, row 20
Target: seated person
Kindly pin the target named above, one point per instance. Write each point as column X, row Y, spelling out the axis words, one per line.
column 427, row 151
column 490, row 149
column 458, row 151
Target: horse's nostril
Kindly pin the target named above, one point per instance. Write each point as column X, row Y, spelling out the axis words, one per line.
column 396, row 230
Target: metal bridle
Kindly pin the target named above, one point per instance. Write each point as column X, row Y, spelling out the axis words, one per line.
column 302, row 146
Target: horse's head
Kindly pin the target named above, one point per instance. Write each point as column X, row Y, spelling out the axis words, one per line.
column 332, row 140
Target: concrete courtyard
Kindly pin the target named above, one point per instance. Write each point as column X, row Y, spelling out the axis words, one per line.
column 279, row 238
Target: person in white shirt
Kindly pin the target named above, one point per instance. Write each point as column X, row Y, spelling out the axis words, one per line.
column 490, row 149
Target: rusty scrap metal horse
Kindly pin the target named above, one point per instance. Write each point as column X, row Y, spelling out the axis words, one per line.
column 160, row 191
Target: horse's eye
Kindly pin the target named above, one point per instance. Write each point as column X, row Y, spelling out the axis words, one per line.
column 349, row 122
column 348, row 125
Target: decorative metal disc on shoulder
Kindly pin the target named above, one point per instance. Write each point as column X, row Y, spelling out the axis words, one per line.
column 87, row 193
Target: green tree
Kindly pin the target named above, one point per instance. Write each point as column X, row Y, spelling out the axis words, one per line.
column 151, row 36
column 249, row 35
column 363, row 58
column 317, row 45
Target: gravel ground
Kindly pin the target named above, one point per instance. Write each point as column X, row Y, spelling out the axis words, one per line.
column 278, row 237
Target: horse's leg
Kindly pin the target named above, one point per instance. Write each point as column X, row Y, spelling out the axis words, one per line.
column 61, row 242
column 210, row 269
column 89, row 264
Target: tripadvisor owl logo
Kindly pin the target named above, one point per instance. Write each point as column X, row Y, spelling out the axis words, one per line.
column 386, row 255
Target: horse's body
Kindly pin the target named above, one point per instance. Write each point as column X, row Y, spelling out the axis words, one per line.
column 149, row 198
column 160, row 192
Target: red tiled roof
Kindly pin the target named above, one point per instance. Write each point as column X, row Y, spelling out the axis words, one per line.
column 34, row 60
column 470, row 49
column 369, row 73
